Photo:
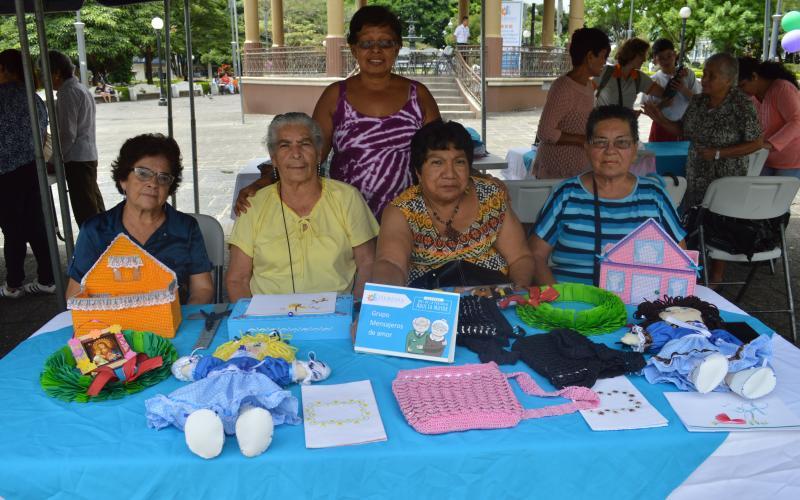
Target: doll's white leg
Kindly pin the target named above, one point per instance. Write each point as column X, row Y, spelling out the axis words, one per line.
column 752, row 383
column 254, row 429
column 204, row 433
column 709, row 373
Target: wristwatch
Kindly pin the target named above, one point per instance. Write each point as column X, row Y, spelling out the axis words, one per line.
column 716, row 155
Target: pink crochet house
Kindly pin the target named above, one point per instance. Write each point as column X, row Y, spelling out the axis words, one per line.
column 647, row 264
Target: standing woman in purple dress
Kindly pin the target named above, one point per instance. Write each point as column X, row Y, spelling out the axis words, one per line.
column 370, row 118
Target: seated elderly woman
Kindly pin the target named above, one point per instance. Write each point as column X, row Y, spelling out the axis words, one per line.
column 449, row 216
column 303, row 233
column 148, row 170
column 568, row 230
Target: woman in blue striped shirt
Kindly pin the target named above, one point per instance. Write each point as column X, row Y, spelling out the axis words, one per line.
column 601, row 206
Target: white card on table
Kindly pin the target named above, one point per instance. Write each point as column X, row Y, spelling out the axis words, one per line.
column 341, row 414
column 726, row 412
column 622, row 407
column 297, row 304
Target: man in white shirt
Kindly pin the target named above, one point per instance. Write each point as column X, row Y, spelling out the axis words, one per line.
column 75, row 112
column 462, row 32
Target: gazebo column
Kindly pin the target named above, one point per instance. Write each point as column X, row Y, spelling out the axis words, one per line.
column 548, row 22
column 335, row 39
column 494, row 42
column 276, row 13
column 575, row 16
column 463, row 10
column 252, row 40
column 361, row 3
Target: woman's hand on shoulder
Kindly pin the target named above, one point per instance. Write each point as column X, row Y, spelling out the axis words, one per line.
column 242, row 203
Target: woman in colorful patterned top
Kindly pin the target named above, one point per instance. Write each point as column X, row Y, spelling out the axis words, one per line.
column 721, row 124
column 369, row 118
column 449, row 216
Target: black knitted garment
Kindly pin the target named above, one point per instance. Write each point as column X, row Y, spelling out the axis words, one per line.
column 565, row 357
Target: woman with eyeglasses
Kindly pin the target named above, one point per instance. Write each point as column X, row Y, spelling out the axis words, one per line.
column 147, row 171
column 369, row 118
column 569, row 233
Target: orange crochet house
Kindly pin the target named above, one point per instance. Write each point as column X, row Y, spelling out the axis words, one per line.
column 129, row 287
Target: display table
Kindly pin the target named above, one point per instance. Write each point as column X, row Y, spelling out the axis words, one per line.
column 51, row 448
column 670, row 156
column 250, row 173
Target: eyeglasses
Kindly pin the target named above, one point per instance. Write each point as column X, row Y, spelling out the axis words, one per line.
column 381, row 44
column 620, row 143
column 145, row 174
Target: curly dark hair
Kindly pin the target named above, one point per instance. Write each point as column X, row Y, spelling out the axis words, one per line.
column 143, row 145
column 374, row 15
column 649, row 311
column 439, row 135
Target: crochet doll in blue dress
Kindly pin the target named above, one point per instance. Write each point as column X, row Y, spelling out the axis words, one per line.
column 242, row 395
column 695, row 353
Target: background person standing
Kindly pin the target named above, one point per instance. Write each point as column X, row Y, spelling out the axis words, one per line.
column 75, row 113
column 462, row 32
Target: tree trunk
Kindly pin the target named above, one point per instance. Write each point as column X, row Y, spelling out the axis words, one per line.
column 148, row 64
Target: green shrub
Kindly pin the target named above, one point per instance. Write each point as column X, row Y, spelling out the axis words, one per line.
column 124, row 93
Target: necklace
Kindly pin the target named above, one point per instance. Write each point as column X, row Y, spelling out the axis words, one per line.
column 450, row 232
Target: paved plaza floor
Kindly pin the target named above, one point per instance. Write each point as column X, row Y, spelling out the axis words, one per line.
column 225, row 144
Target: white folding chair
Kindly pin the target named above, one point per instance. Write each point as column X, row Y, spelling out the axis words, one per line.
column 214, row 238
column 756, row 160
column 676, row 188
column 753, row 198
column 529, row 196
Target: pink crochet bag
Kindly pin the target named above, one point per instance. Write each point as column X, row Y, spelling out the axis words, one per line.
column 436, row 400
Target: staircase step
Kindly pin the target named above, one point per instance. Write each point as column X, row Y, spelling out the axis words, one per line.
column 462, row 106
column 458, row 115
column 455, row 92
column 450, row 99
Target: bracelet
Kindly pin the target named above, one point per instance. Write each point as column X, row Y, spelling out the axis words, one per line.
column 716, row 155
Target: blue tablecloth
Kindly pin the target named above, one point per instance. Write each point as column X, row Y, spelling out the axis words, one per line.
column 670, row 156
column 67, row 450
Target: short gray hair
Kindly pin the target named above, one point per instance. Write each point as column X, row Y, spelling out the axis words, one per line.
column 727, row 64
column 295, row 118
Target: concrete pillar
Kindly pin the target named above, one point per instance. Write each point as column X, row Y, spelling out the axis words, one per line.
column 463, row 10
column 575, row 16
column 335, row 39
column 277, row 22
column 494, row 43
column 360, row 3
column 252, row 40
column 548, row 22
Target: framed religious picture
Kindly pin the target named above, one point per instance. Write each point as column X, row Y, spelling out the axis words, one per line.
column 98, row 348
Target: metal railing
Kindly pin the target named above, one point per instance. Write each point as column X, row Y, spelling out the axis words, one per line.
column 535, row 61
column 431, row 62
column 464, row 63
column 465, row 74
column 285, row 61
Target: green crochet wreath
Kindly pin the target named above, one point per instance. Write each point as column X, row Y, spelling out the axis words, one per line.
column 61, row 379
column 609, row 313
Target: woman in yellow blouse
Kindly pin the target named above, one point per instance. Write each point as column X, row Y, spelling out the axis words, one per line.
column 304, row 233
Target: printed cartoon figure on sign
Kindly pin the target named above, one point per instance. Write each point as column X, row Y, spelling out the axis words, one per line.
column 416, row 338
column 434, row 345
